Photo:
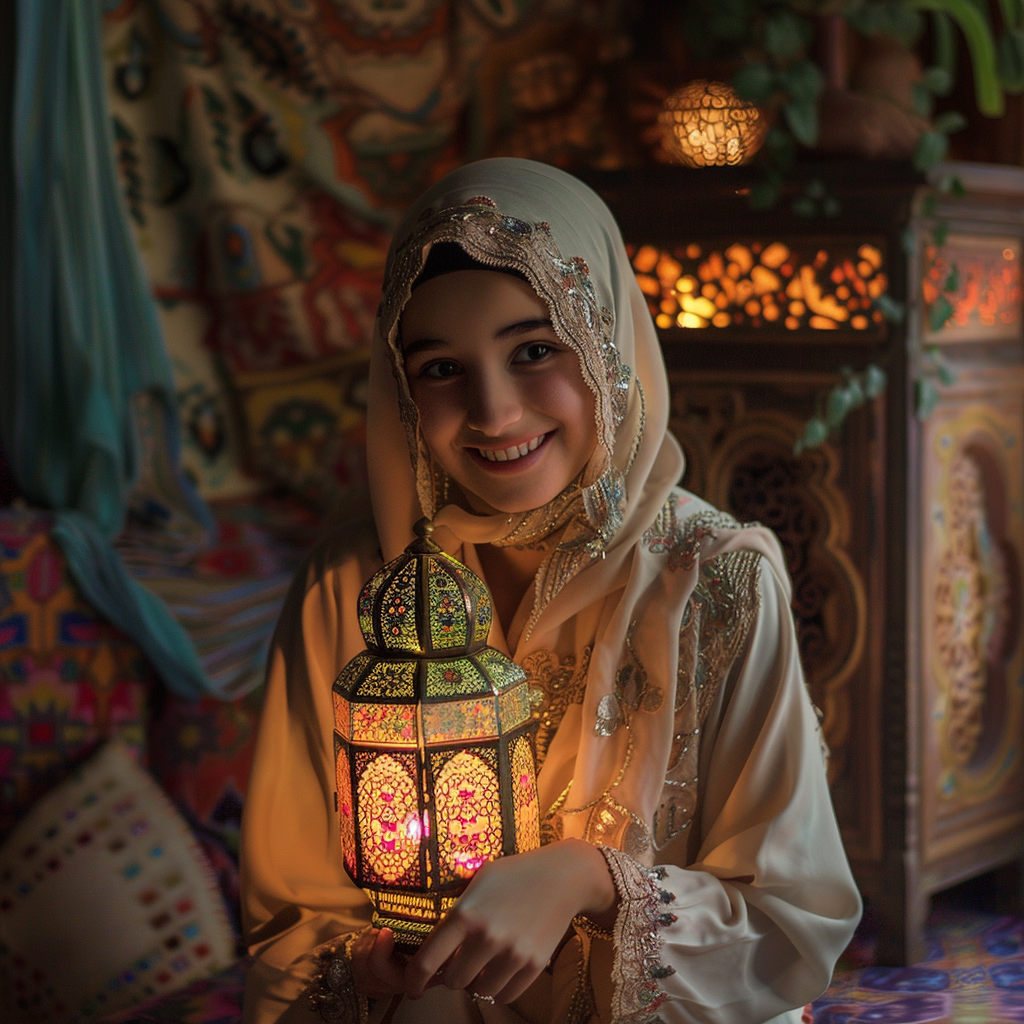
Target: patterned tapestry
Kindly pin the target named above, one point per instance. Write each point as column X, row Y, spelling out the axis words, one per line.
column 264, row 148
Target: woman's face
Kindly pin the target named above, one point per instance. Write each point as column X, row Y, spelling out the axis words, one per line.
column 502, row 402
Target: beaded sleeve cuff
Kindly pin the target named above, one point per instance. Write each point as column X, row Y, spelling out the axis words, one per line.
column 333, row 993
column 637, row 968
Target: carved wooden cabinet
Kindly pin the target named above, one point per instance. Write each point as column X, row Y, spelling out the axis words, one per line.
column 904, row 536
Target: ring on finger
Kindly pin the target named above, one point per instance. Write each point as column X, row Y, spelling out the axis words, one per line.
column 481, row 999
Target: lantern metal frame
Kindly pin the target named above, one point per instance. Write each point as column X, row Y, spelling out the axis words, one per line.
column 427, row 689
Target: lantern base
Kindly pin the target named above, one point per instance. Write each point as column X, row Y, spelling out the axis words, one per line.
column 410, row 915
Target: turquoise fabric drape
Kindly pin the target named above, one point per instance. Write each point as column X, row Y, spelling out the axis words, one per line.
column 86, row 341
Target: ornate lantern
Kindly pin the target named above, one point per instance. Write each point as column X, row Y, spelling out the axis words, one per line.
column 434, row 742
column 705, row 124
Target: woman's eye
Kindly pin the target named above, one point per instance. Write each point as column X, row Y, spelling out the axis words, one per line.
column 440, row 369
column 534, row 351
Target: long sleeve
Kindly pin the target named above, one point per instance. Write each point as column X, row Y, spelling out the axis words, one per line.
column 751, row 927
column 296, row 894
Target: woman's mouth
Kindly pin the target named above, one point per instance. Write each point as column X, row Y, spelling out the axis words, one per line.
column 514, row 452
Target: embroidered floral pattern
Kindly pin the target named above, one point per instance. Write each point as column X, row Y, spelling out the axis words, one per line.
column 556, row 686
column 717, row 621
column 632, row 693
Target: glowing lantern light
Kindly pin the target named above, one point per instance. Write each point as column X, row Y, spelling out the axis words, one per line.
column 433, row 742
column 705, row 124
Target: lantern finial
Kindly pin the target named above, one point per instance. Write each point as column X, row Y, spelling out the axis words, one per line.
column 423, row 545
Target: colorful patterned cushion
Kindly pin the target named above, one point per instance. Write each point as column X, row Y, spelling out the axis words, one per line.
column 105, row 898
column 213, row 1000
column 68, row 679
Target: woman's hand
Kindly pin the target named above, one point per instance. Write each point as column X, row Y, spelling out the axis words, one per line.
column 504, row 928
column 377, row 970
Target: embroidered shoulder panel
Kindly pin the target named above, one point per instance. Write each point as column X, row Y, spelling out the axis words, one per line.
column 716, row 625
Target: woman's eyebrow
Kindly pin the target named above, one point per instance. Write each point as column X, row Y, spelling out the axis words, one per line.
column 524, row 327
column 421, row 345
column 519, row 327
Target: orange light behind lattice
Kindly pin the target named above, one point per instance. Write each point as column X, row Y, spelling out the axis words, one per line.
column 757, row 283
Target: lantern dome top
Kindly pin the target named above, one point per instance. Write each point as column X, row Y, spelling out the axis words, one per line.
column 424, row 603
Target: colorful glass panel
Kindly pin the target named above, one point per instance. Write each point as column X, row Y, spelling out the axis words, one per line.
column 828, row 286
column 456, row 677
column 342, row 715
column 468, row 814
column 398, row 612
column 451, row 721
column 386, row 724
column 393, row 679
column 449, row 617
column 502, row 671
column 365, row 610
column 348, row 678
column 390, row 827
column 524, row 795
column 346, row 819
column 514, row 706
column 482, row 622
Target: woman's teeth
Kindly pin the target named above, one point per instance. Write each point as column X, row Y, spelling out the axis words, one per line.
column 513, row 453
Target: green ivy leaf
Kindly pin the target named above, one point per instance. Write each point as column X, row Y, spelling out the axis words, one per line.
column 940, row 232
column 802, row 118
column 946, row 373
column 930, row 150
column 855, row 392
column 949, row 122
column 815, row 431
column 892, row 310
column 927, row 397
column 755, row 82
column 938, row 81
column 874, row 380
column 952, row 282
column 939, row 313
column 896, row 20
column 785, row 35
column 837, row 405
column 803, row 80
column 945, row 44
column 1010, row 60
column 922, row 100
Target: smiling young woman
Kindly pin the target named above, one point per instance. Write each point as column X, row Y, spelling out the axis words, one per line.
column 502, row 403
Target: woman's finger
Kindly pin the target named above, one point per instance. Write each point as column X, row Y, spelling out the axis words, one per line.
column 518, row 984
column 499, row 971
column 385, row 967
column 470, row 960
column 435, row 952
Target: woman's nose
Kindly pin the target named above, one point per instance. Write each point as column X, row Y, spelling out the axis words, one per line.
column 494, row 405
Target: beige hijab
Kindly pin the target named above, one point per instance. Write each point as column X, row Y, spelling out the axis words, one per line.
column 609, row 586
